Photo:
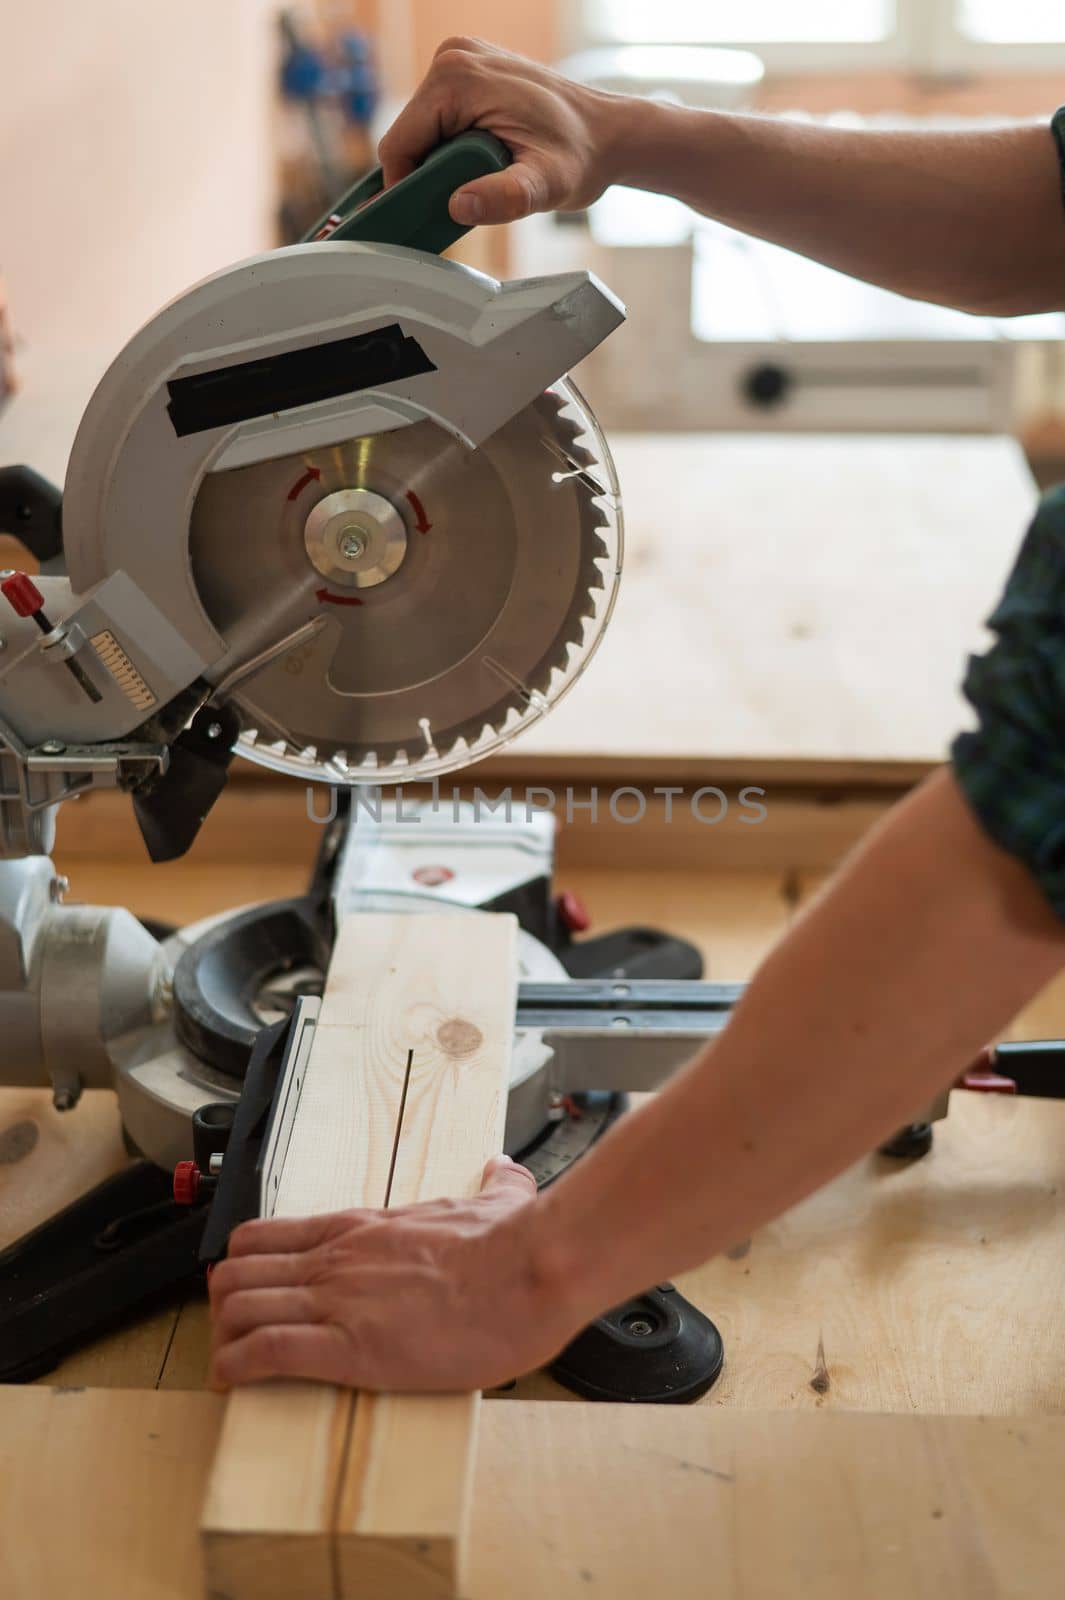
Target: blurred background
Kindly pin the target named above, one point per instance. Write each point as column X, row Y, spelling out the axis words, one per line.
column 143, row 146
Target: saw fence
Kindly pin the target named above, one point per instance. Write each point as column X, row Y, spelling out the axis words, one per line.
column 316, row 1491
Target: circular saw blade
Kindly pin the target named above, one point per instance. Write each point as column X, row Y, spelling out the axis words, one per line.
column 504, row 568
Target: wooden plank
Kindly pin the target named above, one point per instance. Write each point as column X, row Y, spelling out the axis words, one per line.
column 631, row 1501
column 48, row 1158
column 404, row 1506
column 932, row 1285
column 100, row 1490
column 802, row 599
column 404, row 1099
column 188, row 1354
column 404, row 1498
column 625, row 1501
column 271, row 1495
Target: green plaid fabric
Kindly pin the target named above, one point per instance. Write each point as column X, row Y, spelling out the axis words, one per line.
column 1012, row 767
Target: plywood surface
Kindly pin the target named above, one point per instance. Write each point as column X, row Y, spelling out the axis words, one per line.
column 580, row 1500
column 793, row 601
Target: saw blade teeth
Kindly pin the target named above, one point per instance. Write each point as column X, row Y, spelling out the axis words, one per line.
column 425, row 728
column 537, row 471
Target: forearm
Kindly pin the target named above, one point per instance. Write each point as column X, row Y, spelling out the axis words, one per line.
column 922, row 950
column 971, row 219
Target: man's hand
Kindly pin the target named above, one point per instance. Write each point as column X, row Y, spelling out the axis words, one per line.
column 834, row 194
column 563, row 136
column 444, row 1295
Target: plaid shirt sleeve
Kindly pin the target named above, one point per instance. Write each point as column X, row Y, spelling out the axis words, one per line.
column 1012, row 767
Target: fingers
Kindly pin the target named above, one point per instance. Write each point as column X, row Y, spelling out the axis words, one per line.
column 291, row 1350
column 238, row 1313
column 257, row 1272
column 418, row 129
column 442, row 105
column 505, row 196
column 507, row 1180
column 280, row 1235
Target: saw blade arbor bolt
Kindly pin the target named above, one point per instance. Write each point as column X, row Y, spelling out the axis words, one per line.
column 355, row 538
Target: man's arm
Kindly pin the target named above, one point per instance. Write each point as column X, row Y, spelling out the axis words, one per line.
column 921, row 950
column 926, row 944
column 972, row 219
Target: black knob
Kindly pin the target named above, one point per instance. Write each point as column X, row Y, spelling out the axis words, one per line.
column 767, row 385
column 211, row 1125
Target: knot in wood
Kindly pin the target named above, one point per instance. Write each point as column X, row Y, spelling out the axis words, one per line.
column 458, row 1037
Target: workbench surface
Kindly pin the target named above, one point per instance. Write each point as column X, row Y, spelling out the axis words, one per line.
column 928, row 1291
column 104, row 1489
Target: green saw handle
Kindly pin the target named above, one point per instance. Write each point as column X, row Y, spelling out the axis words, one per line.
column 414, row 211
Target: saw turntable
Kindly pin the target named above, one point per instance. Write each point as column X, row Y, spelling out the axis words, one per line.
column 338, row 510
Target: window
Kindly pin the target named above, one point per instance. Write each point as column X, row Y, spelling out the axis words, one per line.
column 1012, row 21
column 818, row 35
column 761, row 21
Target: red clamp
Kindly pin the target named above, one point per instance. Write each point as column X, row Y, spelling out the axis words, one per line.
column 572, row 912
column 187, row 1176
column 983, row 1076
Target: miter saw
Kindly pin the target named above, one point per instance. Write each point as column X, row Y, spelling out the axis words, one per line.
column 337, row 509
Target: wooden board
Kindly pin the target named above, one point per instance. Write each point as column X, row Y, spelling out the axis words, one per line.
column 791, row 602
column 629, row 1502
column 926, row 1286
column 403, row 1099
column 48, row 1158
column 99, row 1493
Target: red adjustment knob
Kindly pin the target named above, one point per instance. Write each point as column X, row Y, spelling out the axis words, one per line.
column 21, row 594
column 186, row 1182
column 983, row 1078
column 572, row 912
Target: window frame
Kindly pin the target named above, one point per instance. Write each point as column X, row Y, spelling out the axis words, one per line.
column 927, row 38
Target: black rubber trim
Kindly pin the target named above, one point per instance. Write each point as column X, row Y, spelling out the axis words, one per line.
column 258, row 388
